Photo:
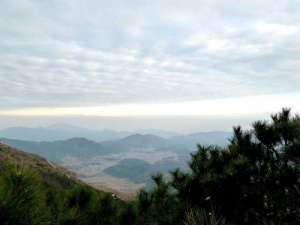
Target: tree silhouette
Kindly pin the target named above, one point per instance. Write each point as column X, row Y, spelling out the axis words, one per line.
column 257, row 176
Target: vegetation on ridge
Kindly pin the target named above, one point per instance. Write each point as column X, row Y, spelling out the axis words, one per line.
column 254, row 180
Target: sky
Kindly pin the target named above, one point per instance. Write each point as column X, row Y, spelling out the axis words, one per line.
column 180, row 65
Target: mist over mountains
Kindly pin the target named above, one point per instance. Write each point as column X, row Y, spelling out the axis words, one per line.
column 98, row 156
column 60, row 132
column 63, row 131
column 82, row 148
column 62, row 139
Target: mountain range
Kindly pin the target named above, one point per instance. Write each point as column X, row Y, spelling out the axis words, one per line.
column 133, row 156
column 85, row 148
column 63, row 131
column 60, row 132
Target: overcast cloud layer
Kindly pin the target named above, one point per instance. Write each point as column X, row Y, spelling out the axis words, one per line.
column 94, row 53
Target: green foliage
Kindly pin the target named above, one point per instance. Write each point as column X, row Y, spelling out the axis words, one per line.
column 198, row 216
column 21, row 197
column 255, row 180
column 58, row 181
column 103, row 210
column 257, row 176
column 127, row 213
column 159, row 205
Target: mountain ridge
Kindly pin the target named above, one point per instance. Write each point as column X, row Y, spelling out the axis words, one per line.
column 82, row 147
column 92, row 159
column 52, row 174
column 64, row 131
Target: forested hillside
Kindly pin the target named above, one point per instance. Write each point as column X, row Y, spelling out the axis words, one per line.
column 254, row 180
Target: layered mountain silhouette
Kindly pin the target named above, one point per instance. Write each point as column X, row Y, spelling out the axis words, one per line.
column 169, row 153
column 61, row 132
column 84, row 148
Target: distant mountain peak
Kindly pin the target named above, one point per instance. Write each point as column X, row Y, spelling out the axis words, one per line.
column 141, row 136
column 157, row 132
column 64, row 126
column 79, row 139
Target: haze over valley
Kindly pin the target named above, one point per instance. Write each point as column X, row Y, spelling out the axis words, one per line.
column 122, row 161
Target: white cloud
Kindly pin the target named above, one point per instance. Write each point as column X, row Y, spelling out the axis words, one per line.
column 232, row 106
column 78, row 54
column 276, row 28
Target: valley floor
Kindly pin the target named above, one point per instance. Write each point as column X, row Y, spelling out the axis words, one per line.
column 91, row 170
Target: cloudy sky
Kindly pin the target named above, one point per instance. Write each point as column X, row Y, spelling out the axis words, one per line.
column 153, row 58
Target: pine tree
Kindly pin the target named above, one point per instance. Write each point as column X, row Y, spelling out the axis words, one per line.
column 256, row 177
column 22, row 197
